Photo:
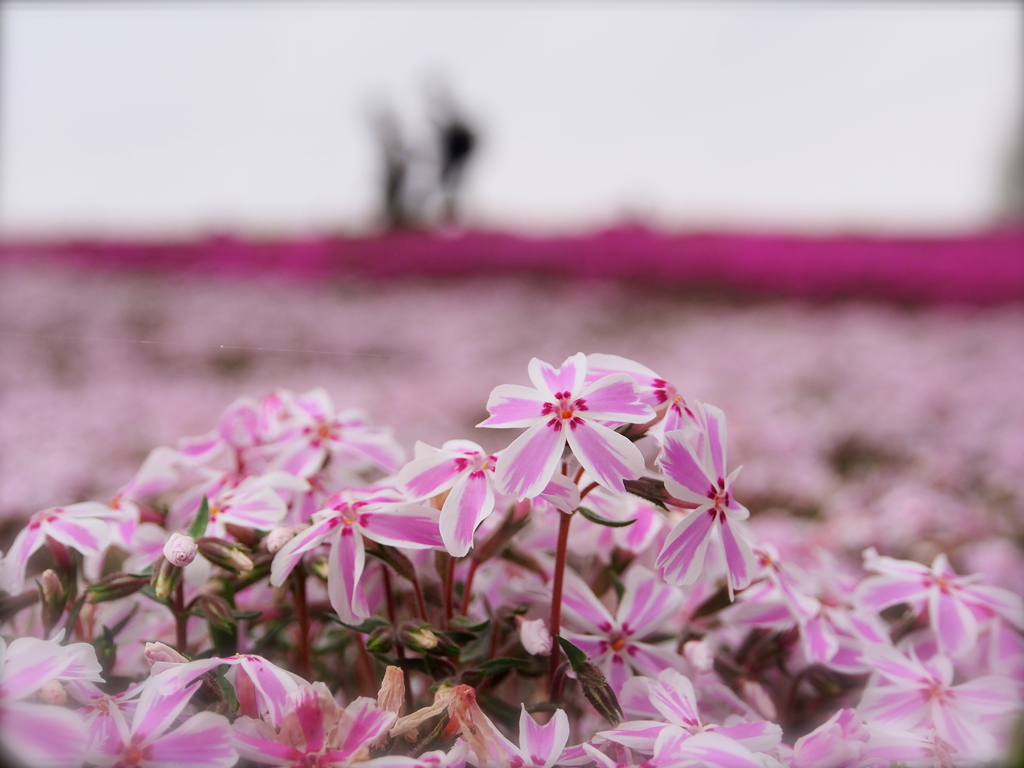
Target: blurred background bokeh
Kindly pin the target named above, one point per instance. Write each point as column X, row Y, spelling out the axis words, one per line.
column 809, row 214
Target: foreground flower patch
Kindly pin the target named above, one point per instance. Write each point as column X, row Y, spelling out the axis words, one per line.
column 291, row 589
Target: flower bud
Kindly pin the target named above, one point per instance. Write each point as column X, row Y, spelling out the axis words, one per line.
column 180, row 550
column 52, row 692
column 166, row 576
column 381, row 640
column 226, row 555
column 277, row 538
column 159, row 652
column 419, row 639
column 53, row 596
column 599, row 692
column 217, row 612
column 534, row 636
column 700, row 656
column 115, row 586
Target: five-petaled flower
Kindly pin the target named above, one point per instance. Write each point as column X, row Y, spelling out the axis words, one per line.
column 562, row 409
column 694, row 464
column 380, row 514
column 466, row 472
column 955, row 603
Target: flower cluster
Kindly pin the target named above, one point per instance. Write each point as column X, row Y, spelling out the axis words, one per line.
column 291, row 589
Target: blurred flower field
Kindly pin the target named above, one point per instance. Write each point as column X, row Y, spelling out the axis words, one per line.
column 858, row 423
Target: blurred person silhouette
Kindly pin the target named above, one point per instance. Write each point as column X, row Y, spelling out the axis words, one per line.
column 1012, row 208
column 456, row 141
column 397, row 157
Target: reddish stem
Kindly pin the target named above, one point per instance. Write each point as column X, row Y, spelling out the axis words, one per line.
column 449, row 591
column 556, row 595
column 421, row 604
column 467, row 590
column 389, row 595
column 302, row 613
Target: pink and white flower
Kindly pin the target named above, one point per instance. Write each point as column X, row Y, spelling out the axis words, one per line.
column 201, row 741
column 466, row 472
column 621, row 645
column 658, row 393
column 673, row 698
column 909, row 693
column 382, row 515
column 955, row 604
column 85, row 527
column 840, row 741
column 43, row 734
column 313, row 731
column 540, row 746
column 560, row 409
column 695, row 472
column 313, row 432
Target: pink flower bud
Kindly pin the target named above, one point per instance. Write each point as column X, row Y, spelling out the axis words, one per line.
column 180, row 549
column 700, row 656
column 277, row 538
column 159, row 652
column 53, row 692
column 534, row 636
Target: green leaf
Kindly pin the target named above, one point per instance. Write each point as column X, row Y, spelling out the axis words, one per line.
column 365, row 628
column 69, row 625
column 596, row 518
column 466, row 624
column 650, row 489
column 116, row 629
column 577, row 658
column 226, row 689
column 501, row 664
column 198, row 527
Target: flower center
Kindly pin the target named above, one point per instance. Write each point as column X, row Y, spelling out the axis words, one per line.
column 719, row 495
column 349, row 515
column 133, row 754
column 564, row 410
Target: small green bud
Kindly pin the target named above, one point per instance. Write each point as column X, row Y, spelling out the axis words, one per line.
column 381, row 640
column 166, row 576
column 225, row 554
column 115, row 586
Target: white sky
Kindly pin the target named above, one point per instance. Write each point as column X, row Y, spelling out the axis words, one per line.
column 163, row 118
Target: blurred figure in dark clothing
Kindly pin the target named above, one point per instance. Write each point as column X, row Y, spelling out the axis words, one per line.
column 1012, row 209
column 397, row 156
column 456, row 141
